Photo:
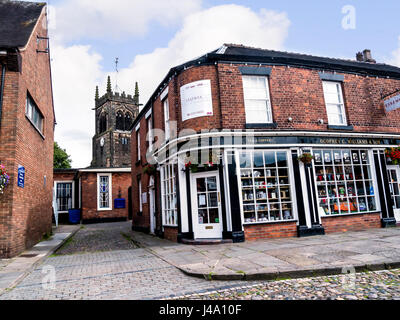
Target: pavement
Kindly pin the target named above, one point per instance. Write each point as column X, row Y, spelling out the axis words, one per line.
column 14, row 270
column 109, row 261
column 370, row 250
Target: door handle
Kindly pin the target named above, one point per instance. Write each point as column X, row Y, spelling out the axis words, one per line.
column 219, row 197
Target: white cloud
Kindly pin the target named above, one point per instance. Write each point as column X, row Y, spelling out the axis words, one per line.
column 203, row 32
column 395, row 60
column 76, row 19
column 77, row 70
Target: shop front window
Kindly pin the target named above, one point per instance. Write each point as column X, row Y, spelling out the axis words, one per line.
column 394, row 185
column 169, row 205
column 265, row 186
column 344, row 182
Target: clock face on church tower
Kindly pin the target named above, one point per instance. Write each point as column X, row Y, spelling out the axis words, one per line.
column 102, row 142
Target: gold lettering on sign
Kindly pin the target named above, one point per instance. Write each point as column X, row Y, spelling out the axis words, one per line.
column 209, row 228
column 351, row 141
column 264, row 140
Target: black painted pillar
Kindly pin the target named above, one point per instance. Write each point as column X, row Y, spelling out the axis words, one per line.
column 316, row 228
column 225, row 233
column 237, row 227
column 388, row 219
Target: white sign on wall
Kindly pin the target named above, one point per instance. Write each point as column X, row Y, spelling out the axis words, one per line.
column 392, row 103
column 196, row 100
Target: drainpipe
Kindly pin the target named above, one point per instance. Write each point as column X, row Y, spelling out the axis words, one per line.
column 3, row 75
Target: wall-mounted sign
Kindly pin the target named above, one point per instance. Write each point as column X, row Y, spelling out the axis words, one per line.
column 144, row 197
column 196, row 100
column 392, row 103
column 21, row 176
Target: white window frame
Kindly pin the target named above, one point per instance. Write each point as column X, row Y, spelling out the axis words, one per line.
column 72, row 193
column 150, row 136
column 291, row 187
column 167, row 133
column 267, row 100
column 138, row 145
column 33, row 113
column 109, row 175
column 341, row 103
column 373, row 179
column 168, row 176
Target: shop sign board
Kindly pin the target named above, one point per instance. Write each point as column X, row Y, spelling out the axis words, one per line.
column 392, row 103
column 196, row 100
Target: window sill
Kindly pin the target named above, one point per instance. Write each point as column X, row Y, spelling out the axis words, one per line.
column 268, row 222
column 104, row 209
column 336, row 127
column 36, row 128
column 273, row 125
column 349, row 214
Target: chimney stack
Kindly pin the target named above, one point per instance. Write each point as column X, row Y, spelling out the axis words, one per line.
column 360, row 57
column 365, row 56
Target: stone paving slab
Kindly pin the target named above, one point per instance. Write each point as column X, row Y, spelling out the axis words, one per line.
column 319, row 255
column 14, row 270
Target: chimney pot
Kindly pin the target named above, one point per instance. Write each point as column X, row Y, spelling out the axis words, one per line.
column 360, row 57
column 368, row 56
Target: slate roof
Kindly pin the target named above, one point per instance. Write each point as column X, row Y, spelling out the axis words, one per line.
column 233, row 52
column 17, row 21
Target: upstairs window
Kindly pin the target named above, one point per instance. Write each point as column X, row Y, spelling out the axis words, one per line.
column 166, row 119
column 334, row 103
column 257, row 100
column 138, row 145
column 33, row 113
column 150, row 135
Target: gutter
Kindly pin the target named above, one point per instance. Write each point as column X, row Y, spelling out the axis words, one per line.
column 3, row 75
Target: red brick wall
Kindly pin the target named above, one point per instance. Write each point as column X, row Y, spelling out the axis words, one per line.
column 26, row 214
column 63, row 176
column 89, row 196
column 298, row 93
column 273, row 230
column 351, row 223
column 171, row 234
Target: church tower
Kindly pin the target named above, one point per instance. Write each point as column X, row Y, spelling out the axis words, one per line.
column 115, row 114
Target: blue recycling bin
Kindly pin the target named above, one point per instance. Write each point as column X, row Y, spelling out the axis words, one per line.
column 74, row 216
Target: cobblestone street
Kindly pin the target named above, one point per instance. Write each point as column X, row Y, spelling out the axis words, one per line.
column 102, row 262
column 380, row 285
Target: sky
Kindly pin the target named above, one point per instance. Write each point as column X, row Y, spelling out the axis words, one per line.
column 150, row 37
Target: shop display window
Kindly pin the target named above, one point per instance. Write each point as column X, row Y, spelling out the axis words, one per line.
column 265, row 186
column 168, row 189
column 344, row 181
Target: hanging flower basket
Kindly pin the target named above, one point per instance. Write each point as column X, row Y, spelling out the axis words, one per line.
column 4, row 178
column 150, row 170
column 194, row 168
column 306, row 158
column 393, row 154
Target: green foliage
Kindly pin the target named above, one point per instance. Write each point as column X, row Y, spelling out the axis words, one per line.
column 61, row 158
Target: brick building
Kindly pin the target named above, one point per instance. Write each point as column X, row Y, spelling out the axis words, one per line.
column 101, row 191
column 26, row 126
column 237, row 127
